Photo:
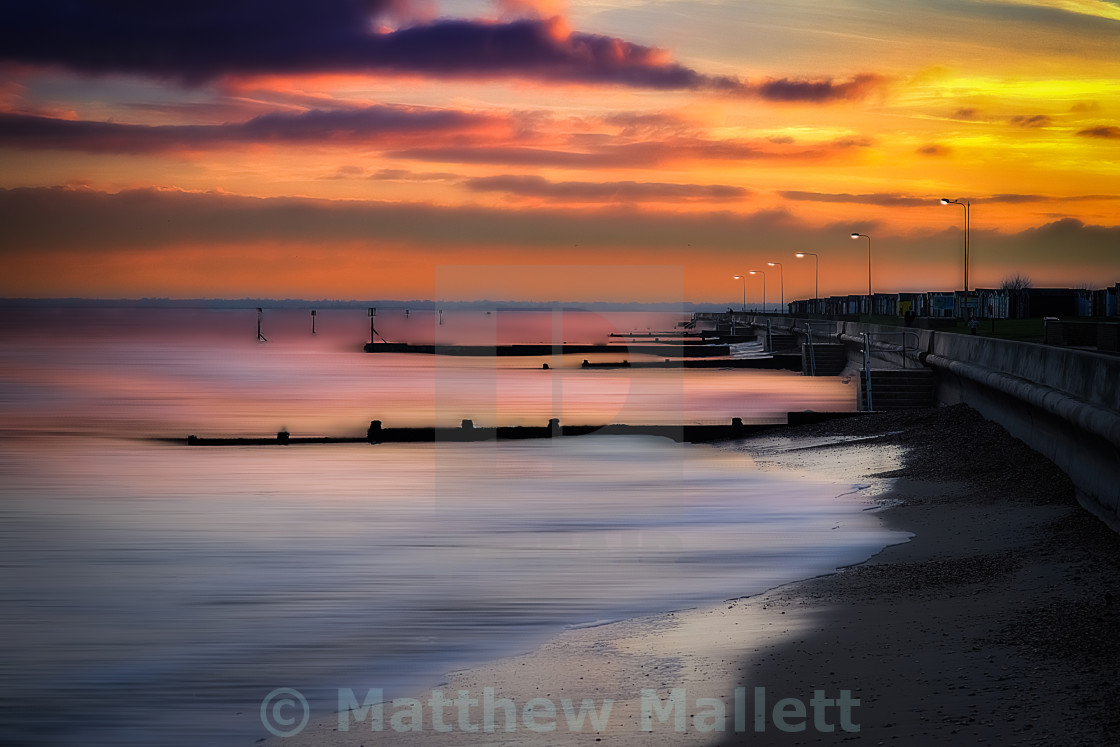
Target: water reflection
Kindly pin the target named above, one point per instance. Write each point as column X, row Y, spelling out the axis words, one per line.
column 152, row 593
column 154, row 373
column 131, row 571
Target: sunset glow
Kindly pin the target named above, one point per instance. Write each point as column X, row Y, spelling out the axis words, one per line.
column 350, row 150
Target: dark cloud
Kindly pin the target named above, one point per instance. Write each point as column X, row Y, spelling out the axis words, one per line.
column 820, row 91
column 504, row 155
column 968, row 113
column 349, row 172
column 1010, row 199
column 356, row 125
column 854, row 142
column 400, row 132
column 645, row 124
column 44, row 226
column 625, row 191
column 91, row 222
column 392, row 175
column 604, row 152
column 888, row 200
column 1108, row 132
column 205, row 39
column 404, row 175
column 1015, row 199
column 1032, row 121
column 897, row 200
column 935, row 149
column 1075, row 234
column 191, row 41
column 1085, row 106
column 208, row 39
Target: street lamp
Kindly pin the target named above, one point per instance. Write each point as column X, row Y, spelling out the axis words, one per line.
column 816, row 276
column 870, row 299
column 744, row 279
column 966, row 205
column 781, row 282
column 763, row 274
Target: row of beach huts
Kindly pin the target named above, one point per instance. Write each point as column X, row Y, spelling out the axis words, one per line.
column 982, row 303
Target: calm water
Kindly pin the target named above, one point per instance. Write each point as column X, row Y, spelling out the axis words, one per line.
column 153, row 594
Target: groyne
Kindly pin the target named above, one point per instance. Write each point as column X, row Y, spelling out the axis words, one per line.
column 467, row 431
column 680, row 349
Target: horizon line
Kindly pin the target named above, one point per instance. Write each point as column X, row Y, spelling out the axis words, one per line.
column 251, row 301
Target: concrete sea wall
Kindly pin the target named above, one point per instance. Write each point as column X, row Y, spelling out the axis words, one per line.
column 1063, row 403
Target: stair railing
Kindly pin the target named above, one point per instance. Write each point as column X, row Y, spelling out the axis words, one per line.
column 812, row 352
column 903, row 348
column 867, row 370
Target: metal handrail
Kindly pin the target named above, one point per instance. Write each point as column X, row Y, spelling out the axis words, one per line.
column 812, row 352
column 902, row 334
column 903, row 348
column 867, row 370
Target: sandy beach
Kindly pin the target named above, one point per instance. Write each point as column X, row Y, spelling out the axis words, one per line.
column 998, row 623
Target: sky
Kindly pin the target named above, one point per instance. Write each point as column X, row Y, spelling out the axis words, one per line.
column 537, row 150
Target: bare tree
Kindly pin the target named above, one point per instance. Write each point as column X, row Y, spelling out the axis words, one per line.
column 1015, row 282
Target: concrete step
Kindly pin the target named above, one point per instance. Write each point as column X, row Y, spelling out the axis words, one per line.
column 784, row 337
column 898, row 389
column 830, row 359
column 781, row 341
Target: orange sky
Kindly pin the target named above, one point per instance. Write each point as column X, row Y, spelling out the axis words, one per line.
column 649, row 147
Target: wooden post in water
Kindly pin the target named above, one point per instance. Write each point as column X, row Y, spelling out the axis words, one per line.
column 313, row 321
column 260, row 337
column 373, row 333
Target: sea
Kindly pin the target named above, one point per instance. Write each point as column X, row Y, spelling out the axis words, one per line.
column 155, row 593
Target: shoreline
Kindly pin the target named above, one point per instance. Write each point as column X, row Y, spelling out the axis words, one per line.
column 998, row 623
column 942, row 637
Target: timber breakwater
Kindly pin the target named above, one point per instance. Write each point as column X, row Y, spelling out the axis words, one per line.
column 683, row 349
column 468, row 432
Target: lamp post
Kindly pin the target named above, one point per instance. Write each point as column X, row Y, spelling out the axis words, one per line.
column 744, row 279
column 966, row 205
column 781, row 282
column 763, row 274
column 870, row 298
column 816, row 277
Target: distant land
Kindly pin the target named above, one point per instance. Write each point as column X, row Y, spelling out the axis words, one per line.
column 299, row 303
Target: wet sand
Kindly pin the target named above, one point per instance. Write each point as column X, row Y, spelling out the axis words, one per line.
column 998, row 623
